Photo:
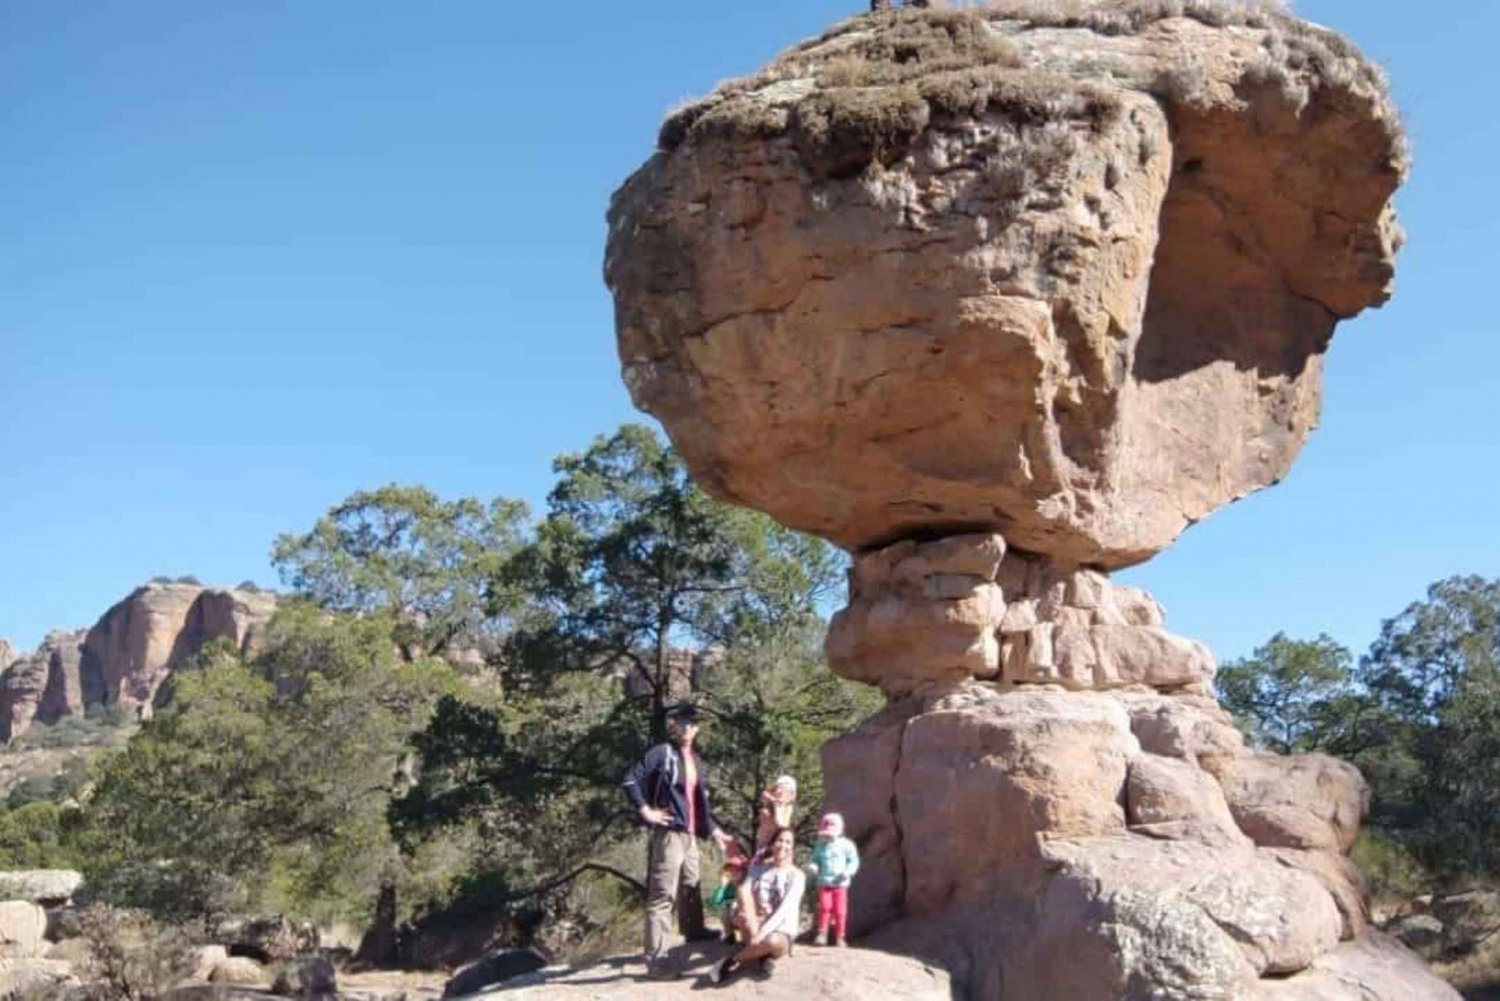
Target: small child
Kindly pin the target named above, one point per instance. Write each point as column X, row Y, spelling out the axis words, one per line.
column 835, row 860
column 777, row 804
column 731, row 875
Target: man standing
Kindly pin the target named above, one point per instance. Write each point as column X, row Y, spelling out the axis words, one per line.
column 669, row 789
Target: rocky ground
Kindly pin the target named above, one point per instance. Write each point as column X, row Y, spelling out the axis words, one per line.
column 810, row 973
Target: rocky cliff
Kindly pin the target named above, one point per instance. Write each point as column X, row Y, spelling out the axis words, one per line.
column 123, row 659
column 1000, row 299
column 1069, row 277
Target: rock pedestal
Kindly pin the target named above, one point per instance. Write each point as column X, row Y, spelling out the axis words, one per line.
column 1053, row 803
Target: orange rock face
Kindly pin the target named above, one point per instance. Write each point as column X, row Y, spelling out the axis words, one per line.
column 1082, row 309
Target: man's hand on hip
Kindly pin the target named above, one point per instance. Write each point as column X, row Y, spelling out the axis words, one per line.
column 654, row 816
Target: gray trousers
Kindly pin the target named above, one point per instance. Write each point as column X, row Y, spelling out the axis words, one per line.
column 671, row 877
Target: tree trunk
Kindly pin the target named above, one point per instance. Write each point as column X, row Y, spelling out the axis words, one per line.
column 378, row 945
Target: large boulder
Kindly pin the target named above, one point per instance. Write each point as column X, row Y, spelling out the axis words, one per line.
column 23, row 929
column 1299, row 801
column 1067, row 276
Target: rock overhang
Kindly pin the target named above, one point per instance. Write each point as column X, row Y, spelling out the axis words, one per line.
column 1066, row 278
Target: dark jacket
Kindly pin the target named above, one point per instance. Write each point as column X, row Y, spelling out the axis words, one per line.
column 657, row 780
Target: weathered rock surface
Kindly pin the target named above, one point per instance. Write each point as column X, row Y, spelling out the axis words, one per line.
column 1092, row 845
column 812, row 974
column 921, row 612
column 23, row 928
column 961, row 607
column 22, row 977
column 998, row 299
column 1070, row 277
column 50, row 887
column 238, row 970
column 124, row 658
column 1301, row 801
column 1373, row 967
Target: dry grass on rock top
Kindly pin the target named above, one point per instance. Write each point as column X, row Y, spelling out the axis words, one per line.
column 859, row 92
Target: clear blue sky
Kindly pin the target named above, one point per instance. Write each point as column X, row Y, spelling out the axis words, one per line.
column 256, row 256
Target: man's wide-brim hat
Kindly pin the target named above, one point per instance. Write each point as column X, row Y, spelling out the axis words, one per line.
column 687, row 712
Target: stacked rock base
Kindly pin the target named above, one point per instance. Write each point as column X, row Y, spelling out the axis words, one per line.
column 1053, row 805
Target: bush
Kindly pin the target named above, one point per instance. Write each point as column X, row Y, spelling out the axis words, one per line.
column 1392, row 870
column 36, row 836
column 130, row 956
column 98, row 726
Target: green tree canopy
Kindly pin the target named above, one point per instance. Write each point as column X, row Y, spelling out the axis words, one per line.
column 266, row 783
column 1420, row 716
column 641, row 591
column 405, row 551
column 1284, row 692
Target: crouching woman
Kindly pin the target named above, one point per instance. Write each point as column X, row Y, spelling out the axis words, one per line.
column 770, row 907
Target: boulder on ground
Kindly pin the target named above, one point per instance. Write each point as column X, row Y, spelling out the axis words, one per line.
column 1373, row 967
column 23, row 929
column 310, row 976
column 32, row 977
column 49, row 887
column 1068, row 272
column 238, row 970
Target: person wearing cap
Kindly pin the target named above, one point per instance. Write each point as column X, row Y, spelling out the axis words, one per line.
column 835, row 861
column 668, row 788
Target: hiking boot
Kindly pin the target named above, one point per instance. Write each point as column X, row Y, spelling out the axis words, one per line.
column 723, row 971
column 842, row 942
column 821, row 938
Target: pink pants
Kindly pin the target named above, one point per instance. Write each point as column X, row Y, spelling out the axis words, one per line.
column 833, row 903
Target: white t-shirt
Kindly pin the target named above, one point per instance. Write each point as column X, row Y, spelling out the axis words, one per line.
column 778, row 895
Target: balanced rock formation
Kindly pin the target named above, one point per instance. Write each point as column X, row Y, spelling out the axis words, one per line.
column 1000, row 299
column 124, row 658
column 1065, row 276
